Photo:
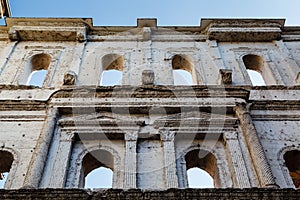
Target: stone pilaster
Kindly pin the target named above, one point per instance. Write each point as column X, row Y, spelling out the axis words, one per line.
column 39, row 157
column 59, row 170
column 130, row 160
column 258, row 156
column 167, row 138
column 238, row 163
column 291, row 66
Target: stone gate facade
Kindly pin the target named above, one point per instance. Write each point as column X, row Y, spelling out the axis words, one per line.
column 183, row 97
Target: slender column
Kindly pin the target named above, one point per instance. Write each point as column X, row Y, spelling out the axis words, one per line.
column 258, row 156
column 169, row 158
column 39, row 157
column 238, row 163
column 59, row 170
column 130, row 160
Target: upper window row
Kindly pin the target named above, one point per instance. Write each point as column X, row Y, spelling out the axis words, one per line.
column 113, row 66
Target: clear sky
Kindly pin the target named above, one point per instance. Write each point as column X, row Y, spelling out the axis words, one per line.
column 168, row 12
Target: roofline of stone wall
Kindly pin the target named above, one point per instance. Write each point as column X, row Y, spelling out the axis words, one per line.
column 82, row 29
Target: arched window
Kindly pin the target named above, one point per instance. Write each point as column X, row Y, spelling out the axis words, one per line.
column 183, row 70
column 97, row 169
column 292, row 162
column 202, row 169
column 99, row 177
column 198, row 178
column 6, row 160
column 36, row 70
column 254, row 66
column 37, row 78
column 112, row 70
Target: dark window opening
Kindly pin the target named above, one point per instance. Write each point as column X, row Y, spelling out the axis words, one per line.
column 6, row 160
column 292, row 161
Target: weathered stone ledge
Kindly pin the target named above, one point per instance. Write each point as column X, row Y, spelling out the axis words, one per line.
column 171, row 194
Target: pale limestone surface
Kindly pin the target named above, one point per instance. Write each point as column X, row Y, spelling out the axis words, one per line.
column 146, row 124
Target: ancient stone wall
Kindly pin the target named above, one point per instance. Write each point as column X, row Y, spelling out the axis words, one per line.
column 145, row 127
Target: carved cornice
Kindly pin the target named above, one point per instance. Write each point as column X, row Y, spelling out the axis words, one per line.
column 81, row 29
column 276, row 105
column 198, row 91
column 48, row 29
column 243, row 30
column 22, row 105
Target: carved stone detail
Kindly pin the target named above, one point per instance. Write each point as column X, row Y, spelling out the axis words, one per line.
column 130, row 160
column 238, row 163
column 225, row 76
column 37, row 163
column 259, row 159
column 148, row 77
column 167, row 137
column 70, row 78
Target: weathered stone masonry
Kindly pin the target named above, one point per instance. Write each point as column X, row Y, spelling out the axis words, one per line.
column 148, row 127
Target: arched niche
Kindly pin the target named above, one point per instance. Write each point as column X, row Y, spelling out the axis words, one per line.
column 36, row 70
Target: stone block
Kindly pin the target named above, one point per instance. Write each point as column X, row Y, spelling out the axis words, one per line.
column 225, row 76
column 148, row 77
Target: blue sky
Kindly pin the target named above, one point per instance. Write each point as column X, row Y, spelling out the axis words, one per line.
column 168, row 12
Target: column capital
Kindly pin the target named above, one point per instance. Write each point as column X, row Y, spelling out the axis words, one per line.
column 242, row 108
column 67, row 136
column 167, row 135
column 131, row 136
column 230, row 135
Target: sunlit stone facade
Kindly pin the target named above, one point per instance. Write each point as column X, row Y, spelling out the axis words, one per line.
column 149, row 102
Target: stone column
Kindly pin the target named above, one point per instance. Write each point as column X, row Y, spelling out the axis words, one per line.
column 39, row 157
column 238, row 163
column 130, row 160
column 167, row 138
column 58, row 176
column 256, row 150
